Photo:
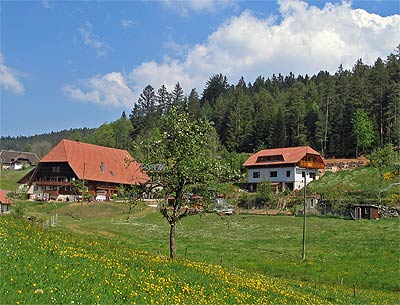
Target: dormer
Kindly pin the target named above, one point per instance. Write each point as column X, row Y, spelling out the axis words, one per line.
column 270, row 158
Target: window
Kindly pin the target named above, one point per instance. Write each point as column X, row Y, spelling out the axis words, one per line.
column 273, row 158
column 256, row 175
column 287, row 173
column 273, row 174
column 312, row 205
column 102, row 166
column 312, row 175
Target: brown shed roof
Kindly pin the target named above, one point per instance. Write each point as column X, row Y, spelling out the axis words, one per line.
column 287, row 155
column 97, row 163
column 11, row 156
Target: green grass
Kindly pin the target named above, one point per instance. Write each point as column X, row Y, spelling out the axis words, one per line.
column 9, row 178
column 51, row 266
column 345, row 252
column 365, row 180
column 220, row 254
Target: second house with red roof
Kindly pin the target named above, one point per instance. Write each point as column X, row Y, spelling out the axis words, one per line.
column 286, row 168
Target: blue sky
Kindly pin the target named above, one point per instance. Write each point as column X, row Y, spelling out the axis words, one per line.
column 71, row 64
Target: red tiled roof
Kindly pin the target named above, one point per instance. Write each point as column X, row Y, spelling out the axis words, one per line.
column 290, row 155
column 3, row 197
column 100, row 163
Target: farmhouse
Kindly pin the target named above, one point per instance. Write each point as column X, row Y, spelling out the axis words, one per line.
column 102, row 168
column 286, row 168
column 4, row 202
column 15, row 160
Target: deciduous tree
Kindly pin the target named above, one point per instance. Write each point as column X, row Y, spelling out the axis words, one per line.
column 183, row 150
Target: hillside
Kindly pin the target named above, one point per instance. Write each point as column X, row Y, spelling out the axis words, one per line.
column 9, row 178
column 41, row 144
column 362, row 183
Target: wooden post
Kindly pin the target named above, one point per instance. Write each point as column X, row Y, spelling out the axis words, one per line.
column 83, row 186
column 303, row 256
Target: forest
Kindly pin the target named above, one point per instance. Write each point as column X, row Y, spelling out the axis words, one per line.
column 344, row 114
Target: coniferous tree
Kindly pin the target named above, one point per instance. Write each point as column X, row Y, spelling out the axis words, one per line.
column 163, row 99
column 378, row 87
column 215, row 86
column 144, row 114
column 239, row 120
column 177, row 96
column 296, row 113
column 265, row 110
column 341, row 141
column 194, row 104
column 392, row 110
column 279, row 128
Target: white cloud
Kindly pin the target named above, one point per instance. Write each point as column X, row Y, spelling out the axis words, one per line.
column 198, row 6
column 9, row 78
column 88, row 39
column 127, row 23
column 45, row 4
column 175, row 48
column 107, row 90
column 307, row 39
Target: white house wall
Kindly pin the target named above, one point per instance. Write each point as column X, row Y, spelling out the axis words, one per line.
column 295, row 175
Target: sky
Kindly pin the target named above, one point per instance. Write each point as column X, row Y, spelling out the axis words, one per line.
column 73, row 64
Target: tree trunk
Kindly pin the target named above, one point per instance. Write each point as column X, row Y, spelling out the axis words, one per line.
column 326, row 124
column 172, row 245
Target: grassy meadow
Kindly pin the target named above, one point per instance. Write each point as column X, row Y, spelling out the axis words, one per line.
column 214, row 253
column 9, row 178
column 52, row 266
column 363, row 180
column 96, row 254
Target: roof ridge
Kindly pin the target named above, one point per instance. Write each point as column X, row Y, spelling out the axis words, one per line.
column 65, row 150
column 91, row 144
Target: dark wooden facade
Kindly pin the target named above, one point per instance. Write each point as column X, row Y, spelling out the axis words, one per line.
column 365, row 211
column 57, row 179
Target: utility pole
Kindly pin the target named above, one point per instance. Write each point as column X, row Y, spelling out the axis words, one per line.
column 83, row 186
column 303, row 256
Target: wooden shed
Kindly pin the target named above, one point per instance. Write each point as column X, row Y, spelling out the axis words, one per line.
column 365, row 211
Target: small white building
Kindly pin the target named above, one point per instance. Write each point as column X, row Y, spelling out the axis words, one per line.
column 286, row 168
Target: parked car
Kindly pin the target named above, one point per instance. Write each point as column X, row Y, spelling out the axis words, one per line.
column 101, row 197
column 222, row 207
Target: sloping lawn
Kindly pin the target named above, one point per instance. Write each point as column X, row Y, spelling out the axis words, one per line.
column 49, row 266
column 341, row 252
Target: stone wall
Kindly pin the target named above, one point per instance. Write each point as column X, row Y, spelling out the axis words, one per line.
column 335, row 165
column 387, row 212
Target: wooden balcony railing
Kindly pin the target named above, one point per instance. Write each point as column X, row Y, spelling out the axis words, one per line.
column 309, row 164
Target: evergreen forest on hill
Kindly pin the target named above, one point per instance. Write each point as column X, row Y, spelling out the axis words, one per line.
column 342, row 115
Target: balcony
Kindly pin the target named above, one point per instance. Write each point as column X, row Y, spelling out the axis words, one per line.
column 309, row 164
column 53, row 183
